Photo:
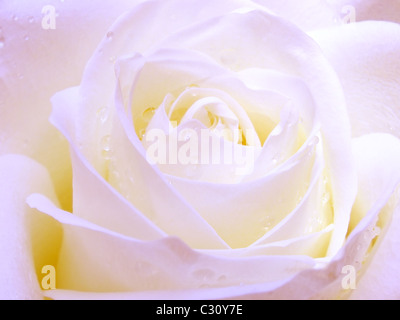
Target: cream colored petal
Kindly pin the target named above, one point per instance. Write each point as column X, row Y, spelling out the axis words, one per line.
column 289, row 51
column 378, row 157
column 324, row 281
column 35, row 63
column 366, row 57
column 21, row 233
column 243, row 213
column 381, row 279
column 388, row 10
column 135, row 174
column 312, row 244
column 95, row 259
column 312, row 14
column 312, row 213
column 131, row 34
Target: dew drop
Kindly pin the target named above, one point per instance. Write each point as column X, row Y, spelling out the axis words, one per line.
column 192, row 171
column 142, row 133
column 25, row 143
column 325, row 198
column 186, row 135
column 105, row 142
column 106, row 147
column 145, row 269
column 106, row 154
column 110, row 35
column 102, row 114
column 148, row 114
column 205, row 276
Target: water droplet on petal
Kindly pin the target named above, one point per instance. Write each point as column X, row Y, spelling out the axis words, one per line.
column 102, row 114
column 148, row 114
column 106, row 147
column 110, row 35
column 192, row 171
column 204, row 276
column 142, row 133
column 325, row 198
column 145, row 269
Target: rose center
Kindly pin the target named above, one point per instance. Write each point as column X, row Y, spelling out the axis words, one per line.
column 217, row 111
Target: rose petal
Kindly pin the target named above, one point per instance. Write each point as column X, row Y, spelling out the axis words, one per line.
column 381, row 279
column 90, row 187
column 378, row 158
column 131, row 34
column 308, row 14
column 312, row 213
column 366, row 57
column 313, row 245
column 243, row 213
column 324, row 281
column 291, row 51
column 388, row 10
column 297, row 120
column 95, row 259
column 20, row 176
column 34, row 64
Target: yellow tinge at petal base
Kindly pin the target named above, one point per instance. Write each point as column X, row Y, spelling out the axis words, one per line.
column 28, row 242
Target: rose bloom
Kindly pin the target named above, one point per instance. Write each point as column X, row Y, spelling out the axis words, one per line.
column 90, row 191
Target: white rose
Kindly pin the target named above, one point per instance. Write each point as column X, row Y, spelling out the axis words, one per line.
column 310, row 212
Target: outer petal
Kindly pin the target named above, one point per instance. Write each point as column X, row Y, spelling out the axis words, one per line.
column 388, row 10
column 21, row 176
column 35, row 63
column 308, row 14
column 95, row 259
column 378, row 159
column 323, row 282
column 317, row 14
column 366, row 57
column 381, row 280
